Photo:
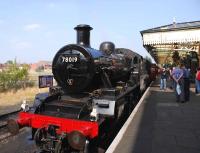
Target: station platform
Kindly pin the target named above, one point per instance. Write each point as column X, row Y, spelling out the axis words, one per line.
column 159, row 124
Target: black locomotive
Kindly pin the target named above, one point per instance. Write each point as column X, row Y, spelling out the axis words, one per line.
column 97, row 88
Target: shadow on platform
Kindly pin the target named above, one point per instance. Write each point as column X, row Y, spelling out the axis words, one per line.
column 162, row 125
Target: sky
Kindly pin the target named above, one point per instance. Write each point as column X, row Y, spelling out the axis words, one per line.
column 33, row 30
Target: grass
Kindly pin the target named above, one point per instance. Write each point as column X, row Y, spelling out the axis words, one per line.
column 11, row 98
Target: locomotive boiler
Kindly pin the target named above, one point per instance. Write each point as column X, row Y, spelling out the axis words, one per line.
column 97, row 88
column 79, row 67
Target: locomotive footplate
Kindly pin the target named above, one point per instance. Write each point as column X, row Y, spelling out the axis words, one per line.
column 63, row 125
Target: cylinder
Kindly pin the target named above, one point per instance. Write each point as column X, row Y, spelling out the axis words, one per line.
column 83, row 34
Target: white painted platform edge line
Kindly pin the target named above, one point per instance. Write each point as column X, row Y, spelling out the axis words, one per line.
column 119, row 136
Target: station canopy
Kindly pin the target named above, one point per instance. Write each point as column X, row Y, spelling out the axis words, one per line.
column 162, row 41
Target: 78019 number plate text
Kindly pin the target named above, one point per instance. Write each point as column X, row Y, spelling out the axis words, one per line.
column 70, row 59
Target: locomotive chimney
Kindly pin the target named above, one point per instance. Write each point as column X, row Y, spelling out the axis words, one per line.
column 83, row 34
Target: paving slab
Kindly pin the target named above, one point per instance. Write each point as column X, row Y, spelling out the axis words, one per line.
column 161, row 125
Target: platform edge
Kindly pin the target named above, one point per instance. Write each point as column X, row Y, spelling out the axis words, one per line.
column 119, row 136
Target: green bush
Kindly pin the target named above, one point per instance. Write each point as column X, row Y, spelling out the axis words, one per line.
column 13, row 77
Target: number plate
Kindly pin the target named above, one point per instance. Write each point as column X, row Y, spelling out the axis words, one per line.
column 70, row 59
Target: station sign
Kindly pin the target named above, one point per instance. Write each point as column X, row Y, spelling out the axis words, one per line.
column 45, row 81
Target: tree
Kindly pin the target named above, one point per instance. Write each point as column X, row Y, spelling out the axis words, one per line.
column 13, row 76
column 40, row 68
column 9, row 62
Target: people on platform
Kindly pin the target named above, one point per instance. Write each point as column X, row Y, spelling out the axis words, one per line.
column 171, row 84
column 197, row 82
column 163, row 79
column 177, row 75
column 186, row 78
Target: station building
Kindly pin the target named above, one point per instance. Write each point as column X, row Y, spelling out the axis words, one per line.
column 162, row 42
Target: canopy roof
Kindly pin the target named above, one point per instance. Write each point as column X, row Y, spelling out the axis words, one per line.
column 173, row 33
column 173, row 27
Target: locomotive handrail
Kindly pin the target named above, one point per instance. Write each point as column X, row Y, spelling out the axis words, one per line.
column 82, row 110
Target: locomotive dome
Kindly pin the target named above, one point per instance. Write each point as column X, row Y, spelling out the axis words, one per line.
column 107, row 47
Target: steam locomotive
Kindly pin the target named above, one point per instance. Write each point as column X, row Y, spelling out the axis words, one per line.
column 97, row 88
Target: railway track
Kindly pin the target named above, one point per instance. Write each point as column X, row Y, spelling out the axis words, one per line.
column 5, row 117
column 3, row 124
